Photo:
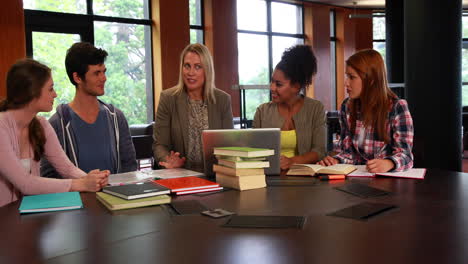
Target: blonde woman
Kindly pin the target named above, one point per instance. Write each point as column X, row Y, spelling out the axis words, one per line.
column 186, row 109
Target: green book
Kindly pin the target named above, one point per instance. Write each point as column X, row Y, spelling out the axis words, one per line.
column 244, row 164
column 51, row 202
column 234, row 158
column 243, row 152
column 115, row 203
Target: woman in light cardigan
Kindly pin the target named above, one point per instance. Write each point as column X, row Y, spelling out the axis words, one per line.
column 26, row 137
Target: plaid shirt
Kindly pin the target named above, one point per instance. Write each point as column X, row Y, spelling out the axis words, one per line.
column 363, row 145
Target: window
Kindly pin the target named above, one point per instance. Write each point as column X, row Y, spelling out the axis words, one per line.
column 378, row 25
column 265, row 29
column 121, row 27
column 465, row 60
column 333, row 57
column 196, row 21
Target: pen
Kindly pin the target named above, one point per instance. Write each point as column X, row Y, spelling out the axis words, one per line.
column 332, row 177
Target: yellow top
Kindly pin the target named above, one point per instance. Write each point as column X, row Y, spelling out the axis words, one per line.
column 288, row 143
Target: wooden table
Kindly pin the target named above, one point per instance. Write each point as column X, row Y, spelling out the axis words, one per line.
column 430, row 226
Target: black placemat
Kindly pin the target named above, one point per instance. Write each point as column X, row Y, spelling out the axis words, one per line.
column 257, row 221
column 188, row 207
column 292, row 182
column 362, row 190
column 363, row 211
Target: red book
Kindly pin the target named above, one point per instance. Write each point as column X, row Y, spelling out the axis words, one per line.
column 187, row 183
column 200, row 190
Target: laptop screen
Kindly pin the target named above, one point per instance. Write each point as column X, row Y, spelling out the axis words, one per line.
column 255, row 138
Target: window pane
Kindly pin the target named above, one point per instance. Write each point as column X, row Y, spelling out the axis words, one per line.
column 380, row 47
column 251, row 15
column 378, row 24
column 50, row 49
column 255, row 97
column 121, row 8
column 286, row 18
column 280, row 44
column 465, row 26
column 128, row 85
column 465, row 95
column 253, row 59
column 63, row 6
column 465, row 63
column 196, row 36
column 195, row 12
column 332, row 23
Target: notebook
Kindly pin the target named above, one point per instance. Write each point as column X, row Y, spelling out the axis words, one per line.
column 115, row 203
column 415, row 173
column 51, row 202
column 268, row 138
column 136, row 190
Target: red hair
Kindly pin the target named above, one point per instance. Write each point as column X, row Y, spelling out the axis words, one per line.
column 376, row 97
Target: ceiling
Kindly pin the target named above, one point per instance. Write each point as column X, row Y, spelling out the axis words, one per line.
column 379, row 4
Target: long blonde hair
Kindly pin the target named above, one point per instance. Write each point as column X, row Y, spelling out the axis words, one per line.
column 376, row 97
column 207, row 63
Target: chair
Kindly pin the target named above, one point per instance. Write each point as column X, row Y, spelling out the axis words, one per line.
column 142, row 138
column 333, row 127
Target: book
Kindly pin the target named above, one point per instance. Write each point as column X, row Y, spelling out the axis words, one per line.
column 148, row 175
column 237, row 172
column 235, row 158
column 312, row 169
column 136, row 190
column 415, row 173
column 113, row 203
column 199, row 190
column 186, row 183
column 243, row 151
column 241, row 183
column 244, row 164
column 51, row 202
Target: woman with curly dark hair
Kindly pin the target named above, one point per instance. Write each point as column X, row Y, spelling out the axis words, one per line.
column 301, row 119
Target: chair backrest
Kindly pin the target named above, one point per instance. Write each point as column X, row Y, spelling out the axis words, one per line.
column 142, row 138
column 143, row 146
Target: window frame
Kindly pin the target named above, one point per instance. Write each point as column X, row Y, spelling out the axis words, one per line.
column 202, row 24
column 83, row 24
column 245, row 123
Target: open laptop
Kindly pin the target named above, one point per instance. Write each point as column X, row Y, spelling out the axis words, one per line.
column 256, row 138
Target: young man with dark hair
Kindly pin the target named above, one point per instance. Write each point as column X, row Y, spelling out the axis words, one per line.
column 95, row 135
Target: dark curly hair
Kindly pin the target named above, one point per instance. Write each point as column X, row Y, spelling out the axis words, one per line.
column 79, row 56
column 299, row 65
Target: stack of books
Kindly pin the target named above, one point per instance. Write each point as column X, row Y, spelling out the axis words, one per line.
column 133, row 195
column 241, row 168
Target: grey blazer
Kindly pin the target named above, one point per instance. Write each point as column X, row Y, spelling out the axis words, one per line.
column 310, row 124
column 171, row 125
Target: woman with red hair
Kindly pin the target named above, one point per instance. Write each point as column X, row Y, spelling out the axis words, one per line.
column 376, row 126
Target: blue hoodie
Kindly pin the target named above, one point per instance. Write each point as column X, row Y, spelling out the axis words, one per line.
column 123, row 153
